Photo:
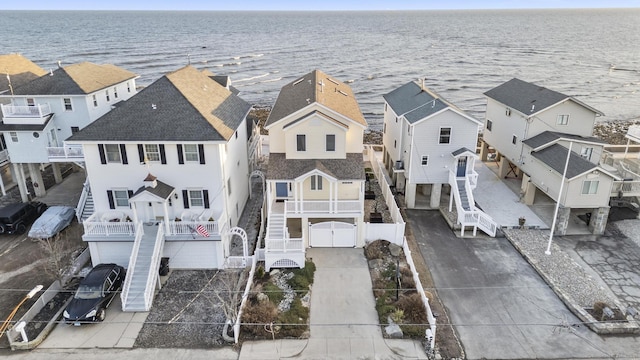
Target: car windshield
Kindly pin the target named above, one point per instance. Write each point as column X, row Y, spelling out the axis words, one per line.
column 88, row 292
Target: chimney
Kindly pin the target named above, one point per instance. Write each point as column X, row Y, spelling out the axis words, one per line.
column 59, row 64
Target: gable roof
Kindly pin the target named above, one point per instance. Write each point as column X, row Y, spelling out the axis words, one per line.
column 529, row 98
column 316, row 87
column 548, row 137
column 20, row 70
column 76, row 79
column 555, row 156
column 281, row 168
column 185, row 105
column 161, row 190
column 415, row 102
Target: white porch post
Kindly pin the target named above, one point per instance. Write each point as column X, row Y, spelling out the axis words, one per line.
column 166, row 215
column 301, row 199
column 134, row 207
column 332, row 204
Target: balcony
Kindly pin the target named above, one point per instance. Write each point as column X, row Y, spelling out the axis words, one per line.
column 67, row 153
column 324, row 207
column 187, row 229
column 26, row 115
column 4, row 157
column 109, row 225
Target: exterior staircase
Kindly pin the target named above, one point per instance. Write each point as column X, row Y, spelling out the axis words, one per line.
column 468, row 213
column 275, row 227
column 85, row 206
column 142, row 273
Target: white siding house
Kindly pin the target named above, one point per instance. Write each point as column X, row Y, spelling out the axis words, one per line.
column 429, row 142
column 168, row 177
column 531, row 129
column 43, row 112
column 315, row 178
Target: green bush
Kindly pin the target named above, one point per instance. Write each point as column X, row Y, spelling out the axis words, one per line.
column 293, row 323
column 274, row 293
column 302, row 278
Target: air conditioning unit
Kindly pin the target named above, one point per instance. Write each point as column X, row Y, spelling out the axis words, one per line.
column 399, row 165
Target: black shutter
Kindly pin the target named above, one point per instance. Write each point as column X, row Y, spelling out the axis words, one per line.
column 130, row 193
column 123, row 154
column 103, row 157
column 112, row 205
column 163, row 156
column 180, row 155
column 185, row 198
column 141, row 153
column 201, row 153
column 205, row 196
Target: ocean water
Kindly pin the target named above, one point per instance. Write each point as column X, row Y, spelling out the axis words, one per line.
column 591, row 54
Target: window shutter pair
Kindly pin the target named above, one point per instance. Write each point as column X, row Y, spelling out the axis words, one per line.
column 112, row 201
column 163, row 156
column 185, row 198
column 181, row 154
column 123, row 154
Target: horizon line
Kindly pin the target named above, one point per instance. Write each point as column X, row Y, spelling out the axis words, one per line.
column 334, row 10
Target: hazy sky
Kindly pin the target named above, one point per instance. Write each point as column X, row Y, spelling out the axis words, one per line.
column 307, row 5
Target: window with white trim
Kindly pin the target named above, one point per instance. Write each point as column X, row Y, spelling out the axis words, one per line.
column 196, row 198
column 95, row 100
column 31, row 102
column 425, row 160
column 489, row 125
column 331, row 142
column 106, row 93
column 316, row 182
column 14, row 136
column 191, row 152
column 121, row 198
column 590, row 187
column 112, row 151
column 301, row 142
column 586, row 152
column 563, row 119
column 128, row 87
column 67, row 104
column 445, row 135
column 152, row 152
column 115, row 92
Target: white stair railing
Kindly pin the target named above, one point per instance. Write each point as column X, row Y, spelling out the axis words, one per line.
column 132, row 265
column 83, row 200
column 152, row 277
column 474, row 217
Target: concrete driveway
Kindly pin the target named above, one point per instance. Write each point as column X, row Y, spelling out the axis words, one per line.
column 499, row 305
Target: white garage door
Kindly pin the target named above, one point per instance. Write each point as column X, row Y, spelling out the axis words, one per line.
column 332, row 234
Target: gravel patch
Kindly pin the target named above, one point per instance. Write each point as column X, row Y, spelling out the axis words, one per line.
column 559, row 269
column 630, row 228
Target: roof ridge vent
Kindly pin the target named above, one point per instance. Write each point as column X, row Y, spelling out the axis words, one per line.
column 333, row 81
column 297, row 82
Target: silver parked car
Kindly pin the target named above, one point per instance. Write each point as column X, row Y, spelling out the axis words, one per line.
column 52, row 221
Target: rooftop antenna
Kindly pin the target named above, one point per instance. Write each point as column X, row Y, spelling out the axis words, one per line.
column 59, row 64
column 189, row 59
column 50, row 72
column 533, row 107
column 321, row 83
column 422, row 86
column 9, row 80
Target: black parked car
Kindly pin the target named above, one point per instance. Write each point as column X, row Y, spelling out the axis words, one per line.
column 94, row 294
column 15, row 218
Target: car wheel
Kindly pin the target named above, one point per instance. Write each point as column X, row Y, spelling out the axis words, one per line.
column 3, row 229
column 21, row 228
column 101, row 314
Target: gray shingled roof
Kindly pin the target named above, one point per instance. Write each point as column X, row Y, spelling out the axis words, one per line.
column 529, row 98
column 462, row 150
column 307, row 90
column 547, row 137
column 281, row 168
column 20, row 70
column 161, row 190
column 77, row 79
column 185, row 105
column 555, row 156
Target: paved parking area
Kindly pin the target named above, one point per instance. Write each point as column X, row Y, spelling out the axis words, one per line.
column 499, row 305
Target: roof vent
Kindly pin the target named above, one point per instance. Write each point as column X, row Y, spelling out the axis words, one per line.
column 298, row 82
column 343, row 93
column 333, row 81
column 59, row 64
column 308, row 101
column 50, row 72
column 153, row 106
column 533, row 107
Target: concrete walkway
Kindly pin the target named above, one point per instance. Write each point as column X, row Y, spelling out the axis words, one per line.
column 343, row 319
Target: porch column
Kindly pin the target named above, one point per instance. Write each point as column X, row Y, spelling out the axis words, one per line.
column 484, row 150
column 4, row 192
column 57, row 174
column 410, row 195
column 598, row 220
column 331, row 205
column 562, row 222
column 503, row 170
column 528, row 189
column 436, row 191
column 36, row 180
column 134, row 207
column 300, row 206
column 166, row 215
column 18, row 171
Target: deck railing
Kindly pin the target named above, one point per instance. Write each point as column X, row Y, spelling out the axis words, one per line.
column 185, row 228
column 322, row 206
column 132, row 265
column 36, row 111
column 95, row 227
column 285, row 245
column 65, row 153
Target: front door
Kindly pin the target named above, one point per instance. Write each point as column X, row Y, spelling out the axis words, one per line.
column 462, row 167
column 282, row 190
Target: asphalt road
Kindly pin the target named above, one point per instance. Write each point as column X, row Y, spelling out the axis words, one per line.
column 499, row 305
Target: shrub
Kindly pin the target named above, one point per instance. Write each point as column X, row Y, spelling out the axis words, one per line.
column 384, row 307
column 302, row 278
column 274, row 293
column 376, row 250
column 413, row 308
column 397, row 316
column 257, row 314
column 295, row 319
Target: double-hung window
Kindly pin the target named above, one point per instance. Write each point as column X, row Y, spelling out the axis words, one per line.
column 301, row 142
column 590, row 187
column 152, row 152
column 563, row 119
column 331, row 142
column 121, row 198
column 67, row 104
column 196, row 198
column 191, row 152
column 425, row 160
column 445, row 135
column 112, row 151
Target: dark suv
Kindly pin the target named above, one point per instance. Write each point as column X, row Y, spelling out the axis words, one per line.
column 15, row 218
